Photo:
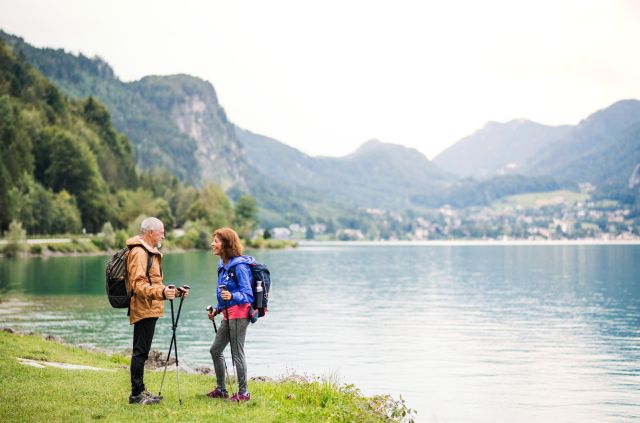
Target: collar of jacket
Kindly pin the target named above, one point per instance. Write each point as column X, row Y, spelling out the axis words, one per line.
column 137, row 240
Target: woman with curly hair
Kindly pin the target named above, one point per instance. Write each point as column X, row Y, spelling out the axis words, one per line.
column 234, row 303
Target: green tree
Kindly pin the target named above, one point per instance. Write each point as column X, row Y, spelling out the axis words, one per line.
column 212, row 206
column 246, row 215
column 108, row 235
column 132, row 204
column 16, row 239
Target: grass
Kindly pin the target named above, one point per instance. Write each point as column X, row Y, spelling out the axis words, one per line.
column 57, row 395
column 541, row 199
column 261, row 243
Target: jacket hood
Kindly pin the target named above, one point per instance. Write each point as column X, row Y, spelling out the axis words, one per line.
column 235, row 261
column 136, row 240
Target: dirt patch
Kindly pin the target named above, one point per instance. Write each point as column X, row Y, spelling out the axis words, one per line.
column 67, row 366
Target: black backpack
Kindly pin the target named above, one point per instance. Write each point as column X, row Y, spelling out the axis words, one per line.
column 261, row 286
column 118, row 279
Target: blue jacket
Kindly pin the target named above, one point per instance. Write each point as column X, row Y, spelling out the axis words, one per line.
column 240, row 286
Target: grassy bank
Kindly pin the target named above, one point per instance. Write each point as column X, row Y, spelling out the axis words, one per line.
column 55, row 395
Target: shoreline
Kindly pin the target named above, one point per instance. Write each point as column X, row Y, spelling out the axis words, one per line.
column 365, row 243
column 469, row 243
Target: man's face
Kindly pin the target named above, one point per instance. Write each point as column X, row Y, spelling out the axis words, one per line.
column 157, row 236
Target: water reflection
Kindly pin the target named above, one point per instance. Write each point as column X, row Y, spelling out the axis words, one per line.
column 464, row 333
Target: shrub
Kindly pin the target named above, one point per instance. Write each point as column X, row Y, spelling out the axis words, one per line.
column 99, row 243
column 108, row 236
column 16, row 240
column 35, row 249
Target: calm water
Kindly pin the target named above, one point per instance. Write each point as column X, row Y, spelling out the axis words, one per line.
column 463, row 333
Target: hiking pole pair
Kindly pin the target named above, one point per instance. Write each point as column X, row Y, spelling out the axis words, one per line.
column 226, row 370
column 174, row 343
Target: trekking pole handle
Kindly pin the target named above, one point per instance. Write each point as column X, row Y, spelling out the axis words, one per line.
column 182, row 289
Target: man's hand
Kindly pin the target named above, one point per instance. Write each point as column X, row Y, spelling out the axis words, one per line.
column 169, row 292
column 183, row 290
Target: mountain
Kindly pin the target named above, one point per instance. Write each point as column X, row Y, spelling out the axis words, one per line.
column 378, row 174
column 602, row 149
column 173, row 122
column 61, row 160
column 498, row 148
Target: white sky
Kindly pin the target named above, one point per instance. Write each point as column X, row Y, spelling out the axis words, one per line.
column 325, row 76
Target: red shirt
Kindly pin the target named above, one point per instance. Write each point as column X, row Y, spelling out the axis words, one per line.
column 239, row 311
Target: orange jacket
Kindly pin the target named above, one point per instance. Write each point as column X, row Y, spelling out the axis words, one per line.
column 148, row 298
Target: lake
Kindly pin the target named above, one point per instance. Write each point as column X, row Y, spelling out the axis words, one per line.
column 465, row 333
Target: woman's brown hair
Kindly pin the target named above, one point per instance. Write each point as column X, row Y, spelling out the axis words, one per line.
column 231, row 246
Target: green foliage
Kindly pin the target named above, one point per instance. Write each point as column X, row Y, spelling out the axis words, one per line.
column 470, row 192
column 246, row 215
column 108, row 235
column 197, row 235
column 16, row 238
column 121, row 238
column 132, row 204
column 75, row 246
column 272, row 244
column 35, row 249
column 212, row 206
column 56, row 154
column 43, row 211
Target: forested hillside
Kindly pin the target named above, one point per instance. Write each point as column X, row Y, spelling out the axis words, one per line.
column 56, row 154
column 63, row 167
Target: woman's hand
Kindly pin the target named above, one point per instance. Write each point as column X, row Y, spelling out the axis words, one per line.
column 213, row 314
column 226, row 295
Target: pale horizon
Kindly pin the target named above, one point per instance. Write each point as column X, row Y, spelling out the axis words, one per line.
column 324, row 78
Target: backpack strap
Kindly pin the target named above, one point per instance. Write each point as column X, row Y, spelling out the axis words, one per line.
column 149, row 264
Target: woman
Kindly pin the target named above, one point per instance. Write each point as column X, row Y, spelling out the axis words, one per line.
column 234, row 302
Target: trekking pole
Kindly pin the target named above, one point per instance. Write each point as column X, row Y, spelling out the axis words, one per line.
column 173, row 337
column 183, row 289
column 226, row 370
column 233, row 363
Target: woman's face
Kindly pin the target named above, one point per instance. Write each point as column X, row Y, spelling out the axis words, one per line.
column 216, row 246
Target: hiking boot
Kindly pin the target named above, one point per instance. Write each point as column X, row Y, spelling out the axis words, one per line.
column 240, row 396
column 148, row 394
column 218, row 393
column 142, row 399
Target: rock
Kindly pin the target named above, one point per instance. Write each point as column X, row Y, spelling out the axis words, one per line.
column 156, row 359
column 52, row 338
column 262, row 379
column 9, row 330
column 203, row 370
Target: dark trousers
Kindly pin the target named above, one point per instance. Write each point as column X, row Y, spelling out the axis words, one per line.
column 142, row 337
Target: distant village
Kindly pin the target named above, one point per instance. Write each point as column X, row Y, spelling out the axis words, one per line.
column 555, row 217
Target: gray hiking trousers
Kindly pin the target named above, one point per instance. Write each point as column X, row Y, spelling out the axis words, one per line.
column 238, row 331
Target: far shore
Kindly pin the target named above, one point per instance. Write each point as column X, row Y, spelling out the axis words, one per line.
column 361, row 243
column 469, row 242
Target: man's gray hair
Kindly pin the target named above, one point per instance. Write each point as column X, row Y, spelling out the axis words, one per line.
column 150, row 224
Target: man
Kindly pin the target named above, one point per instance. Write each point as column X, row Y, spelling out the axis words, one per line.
column 147, row 304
